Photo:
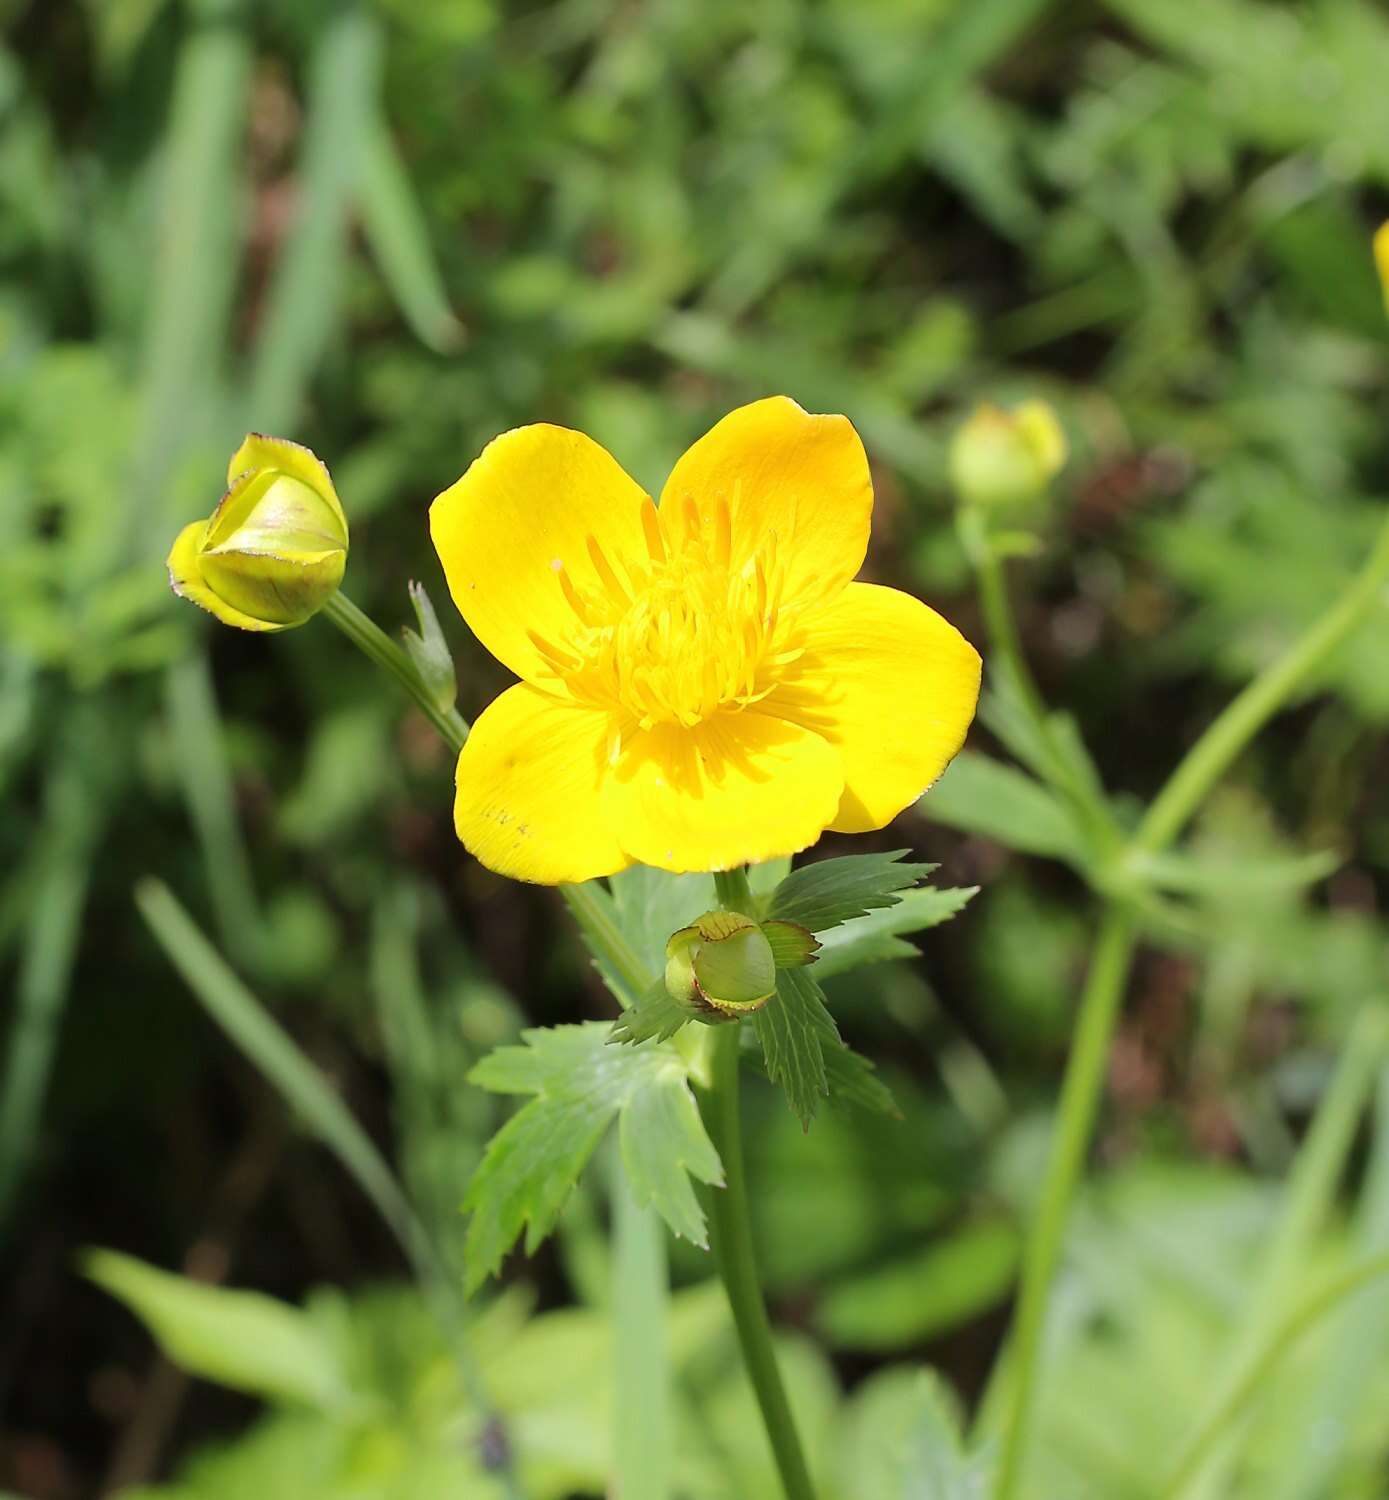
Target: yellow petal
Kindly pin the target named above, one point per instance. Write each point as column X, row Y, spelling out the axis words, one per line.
column 525, row 512
column 1381, row 244
column 893, row 687
column 779, row 470
column 528, row 802
column 739, row 788
column 258, row 451
column 186, row 579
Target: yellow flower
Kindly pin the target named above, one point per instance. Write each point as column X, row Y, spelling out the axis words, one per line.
column 274, row 550
column 1381, row 243
column 701, row 685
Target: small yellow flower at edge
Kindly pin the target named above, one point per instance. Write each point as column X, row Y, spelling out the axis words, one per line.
column 702, row 685
column 1381, row 246
column 274, row 550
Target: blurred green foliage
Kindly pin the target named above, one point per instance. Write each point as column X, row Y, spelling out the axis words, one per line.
column 393, row 230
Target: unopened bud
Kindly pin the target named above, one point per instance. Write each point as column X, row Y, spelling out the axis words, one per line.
column 273, row 552
column 720, row 967
column 723, row 965
column 1002, row 458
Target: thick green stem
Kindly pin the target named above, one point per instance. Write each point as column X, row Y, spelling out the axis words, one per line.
column 998, row 617
column 731, row 1224
column 1080, row 1092
column 640, row 1308
column 368, row 637
column 1211, row 756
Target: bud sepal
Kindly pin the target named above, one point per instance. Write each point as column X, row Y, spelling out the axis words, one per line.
column 430, row 653
column 793, row 946
column 723, row 966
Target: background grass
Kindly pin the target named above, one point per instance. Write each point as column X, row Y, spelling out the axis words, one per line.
column 391, row 231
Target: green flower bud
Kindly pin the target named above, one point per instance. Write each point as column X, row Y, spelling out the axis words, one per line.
column 273, row 552
column 1003, row 458
column 720, row 967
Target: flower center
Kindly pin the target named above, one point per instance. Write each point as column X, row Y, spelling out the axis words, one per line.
column 676, row 636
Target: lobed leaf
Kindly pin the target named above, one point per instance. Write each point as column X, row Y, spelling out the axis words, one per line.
column 873, row 937
column 833, row 891
column 656, row 1016
column 794, row 1028
column 580, row 1086
column 854, row 1083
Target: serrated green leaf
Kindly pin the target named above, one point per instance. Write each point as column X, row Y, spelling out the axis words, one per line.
column 854, row 1083
column 580, row 1085
column 245, row 1340
column 792, row 945
column 873, row 937
column 657, row 1016
column 794, row 1027
column 981, row 795
column 833, row 891
column 662, row 1139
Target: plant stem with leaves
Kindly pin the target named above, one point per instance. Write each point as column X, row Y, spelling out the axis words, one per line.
column 1196, row 774
column 731, row 1224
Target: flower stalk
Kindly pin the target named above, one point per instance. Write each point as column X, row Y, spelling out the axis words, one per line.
column 1192, row 780
column 369, row 638
column 730, row 1215
column 730, row 1222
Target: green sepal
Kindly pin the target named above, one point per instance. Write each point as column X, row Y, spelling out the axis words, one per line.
column 430, row 652
column 792, row 945
column 655, row 1017
column 831, row 891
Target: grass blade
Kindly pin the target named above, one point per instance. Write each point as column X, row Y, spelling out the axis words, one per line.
column 305, row 291
column 237, row 1011
column 207, row 789
column 399, row 239
column 640, row 1297
column 195, row 260
column 72, row 821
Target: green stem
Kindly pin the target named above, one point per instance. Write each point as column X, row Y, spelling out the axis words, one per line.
column 1303, row 1317
column 1080, row 1092
column 640, row 1313
column 731, row 1225
column 998, row 617
column 1210, row 757
column 368, row 637
column 1005, row 646
column 606, row 940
